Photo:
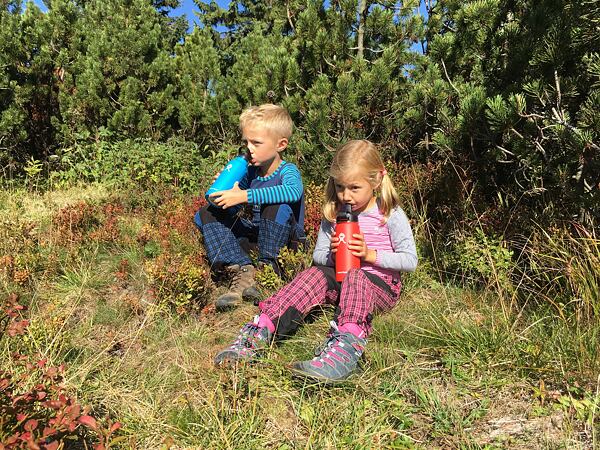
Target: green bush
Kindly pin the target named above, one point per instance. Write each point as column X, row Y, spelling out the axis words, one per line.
column 481, row 259
column 141, row 162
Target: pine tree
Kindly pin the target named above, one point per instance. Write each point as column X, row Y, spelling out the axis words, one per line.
column 121, row 76
column 27, row 96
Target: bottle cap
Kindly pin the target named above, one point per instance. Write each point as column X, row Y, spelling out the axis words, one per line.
column 346, row 215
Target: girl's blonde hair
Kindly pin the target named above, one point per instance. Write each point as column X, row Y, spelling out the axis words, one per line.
column 362, row 156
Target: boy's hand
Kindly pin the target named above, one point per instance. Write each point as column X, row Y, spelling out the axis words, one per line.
column 231, row 197
column 358, row 247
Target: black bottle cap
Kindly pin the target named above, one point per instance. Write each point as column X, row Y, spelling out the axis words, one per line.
column 346, row 215
column 243, row 151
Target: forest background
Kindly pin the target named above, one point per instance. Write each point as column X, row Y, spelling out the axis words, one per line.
column 114, row 115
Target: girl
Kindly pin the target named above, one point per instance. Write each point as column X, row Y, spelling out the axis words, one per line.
column 385, row 246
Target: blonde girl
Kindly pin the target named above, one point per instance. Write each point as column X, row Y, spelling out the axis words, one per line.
column 385, row 247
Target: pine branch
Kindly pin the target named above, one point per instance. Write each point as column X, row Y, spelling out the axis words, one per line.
column 289, row 16
column 448, row 78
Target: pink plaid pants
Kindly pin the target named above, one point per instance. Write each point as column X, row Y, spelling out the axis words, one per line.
column 357, row 299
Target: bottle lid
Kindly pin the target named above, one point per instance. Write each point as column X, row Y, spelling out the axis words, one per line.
column 346, row 215
column 244, row 153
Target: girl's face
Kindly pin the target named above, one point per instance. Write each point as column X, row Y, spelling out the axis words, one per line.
column 356, row 190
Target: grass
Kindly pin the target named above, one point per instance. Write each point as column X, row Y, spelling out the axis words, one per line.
column 449, row 367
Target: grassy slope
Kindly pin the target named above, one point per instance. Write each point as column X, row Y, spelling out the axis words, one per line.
column 447, row 368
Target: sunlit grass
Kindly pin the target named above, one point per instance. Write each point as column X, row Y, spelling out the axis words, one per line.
column 447, row 368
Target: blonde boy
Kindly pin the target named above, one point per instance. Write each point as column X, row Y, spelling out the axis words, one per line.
column 273, row 187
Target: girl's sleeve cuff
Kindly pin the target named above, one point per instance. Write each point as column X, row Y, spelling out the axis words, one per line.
column 378, row 258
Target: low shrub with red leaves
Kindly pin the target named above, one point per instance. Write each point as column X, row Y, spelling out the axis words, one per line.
column 36, row 412
column 73, row 221
column 313, row 213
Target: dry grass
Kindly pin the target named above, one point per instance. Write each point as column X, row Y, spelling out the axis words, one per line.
column 447, row 368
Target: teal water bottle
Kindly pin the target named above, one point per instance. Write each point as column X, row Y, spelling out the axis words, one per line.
column 233, row 171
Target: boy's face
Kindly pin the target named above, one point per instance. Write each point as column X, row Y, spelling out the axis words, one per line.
column 264, row 148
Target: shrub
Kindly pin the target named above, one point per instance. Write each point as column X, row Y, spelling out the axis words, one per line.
column 314, row 197
column 481, row 259
column 144, row 163
column 180, row 282
column 35, row 409
column 562, row 268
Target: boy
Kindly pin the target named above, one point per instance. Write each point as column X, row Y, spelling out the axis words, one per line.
column 274, row 189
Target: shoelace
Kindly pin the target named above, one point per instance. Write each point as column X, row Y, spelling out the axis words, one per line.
column 236, row 276
column 330, row 337
column 248, row 336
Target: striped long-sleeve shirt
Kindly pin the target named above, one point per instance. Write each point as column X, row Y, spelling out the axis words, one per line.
column 282, row 186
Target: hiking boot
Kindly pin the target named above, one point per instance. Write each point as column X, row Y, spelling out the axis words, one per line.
column 241, row 279
column 251, row 340
column 252, row 295
column 335, row 360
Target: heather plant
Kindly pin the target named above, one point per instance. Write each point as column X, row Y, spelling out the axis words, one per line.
column 146, row 163
column 314, row 197
column 36, row 409
column 481, row 259
column 180, row 282
column 268, row 280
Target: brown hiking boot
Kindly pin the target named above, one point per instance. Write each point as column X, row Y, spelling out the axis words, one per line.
column 241, row 279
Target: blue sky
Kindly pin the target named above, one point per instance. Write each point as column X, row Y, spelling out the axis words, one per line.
column 187, row 7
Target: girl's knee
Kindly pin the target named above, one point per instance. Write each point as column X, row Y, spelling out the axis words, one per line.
column 354, row 274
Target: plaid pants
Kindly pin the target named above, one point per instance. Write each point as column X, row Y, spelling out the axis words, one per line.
column 357, row 298
column 272, row 227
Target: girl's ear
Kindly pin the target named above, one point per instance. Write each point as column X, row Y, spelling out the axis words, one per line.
column 377, row 186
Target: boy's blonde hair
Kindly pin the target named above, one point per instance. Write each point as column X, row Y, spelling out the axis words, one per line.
column 362, row 156
column 273, row 117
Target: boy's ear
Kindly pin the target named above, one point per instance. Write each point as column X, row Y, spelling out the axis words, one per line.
column 282, row 144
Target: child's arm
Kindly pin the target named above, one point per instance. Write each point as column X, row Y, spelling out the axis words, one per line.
column 230, row 197
column 322, row 254
column 404, row 256
column 289, row 191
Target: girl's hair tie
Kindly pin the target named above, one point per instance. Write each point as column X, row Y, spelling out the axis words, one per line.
column 383, row 172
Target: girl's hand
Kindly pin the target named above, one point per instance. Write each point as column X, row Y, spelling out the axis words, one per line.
column 335, row 242
column 216, row 176
column 358, row 247
column 231, row 197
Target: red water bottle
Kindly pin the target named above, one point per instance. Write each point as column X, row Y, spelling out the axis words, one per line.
column 346, row 225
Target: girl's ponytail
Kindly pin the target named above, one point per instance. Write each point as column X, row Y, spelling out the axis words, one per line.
column 330, row 205
column 389, row 198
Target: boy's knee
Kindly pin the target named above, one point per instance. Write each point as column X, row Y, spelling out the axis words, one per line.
column 208, row 214
column 281, row 213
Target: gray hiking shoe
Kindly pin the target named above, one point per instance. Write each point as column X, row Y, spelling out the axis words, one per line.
column 335, row 360
column 242, row 278
column 250, row 341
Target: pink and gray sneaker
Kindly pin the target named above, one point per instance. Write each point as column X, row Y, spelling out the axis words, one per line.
column 251, row 340
column 336, row 360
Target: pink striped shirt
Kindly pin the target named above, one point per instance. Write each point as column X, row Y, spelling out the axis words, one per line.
column 393, row 241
